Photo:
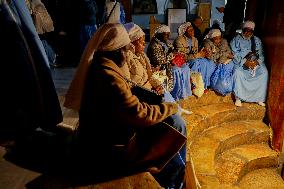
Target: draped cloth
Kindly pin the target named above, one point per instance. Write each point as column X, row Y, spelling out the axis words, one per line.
column 30, row 96
column 181, row 85
column 204, row 66
column 222, row 78
column 108, row 37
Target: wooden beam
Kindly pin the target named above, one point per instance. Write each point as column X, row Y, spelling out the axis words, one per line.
column 273, row 38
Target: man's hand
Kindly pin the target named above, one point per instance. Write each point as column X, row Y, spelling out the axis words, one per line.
column 251, row 64
column 221, row 9
column 230, row 56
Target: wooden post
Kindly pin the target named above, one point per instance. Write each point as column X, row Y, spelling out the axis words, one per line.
column 273, row 38
column 153, row 24
column 204, row 10
column 190, row 177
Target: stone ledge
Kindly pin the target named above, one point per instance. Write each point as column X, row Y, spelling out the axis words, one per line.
column 233, row 164
column 204, row 117
column 262, row 179
column 233, row 134
column 212, row 182
column 218, row 139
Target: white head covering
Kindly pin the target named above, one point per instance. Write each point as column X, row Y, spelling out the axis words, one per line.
column 134, row 31
column 249, row 24
column 162, row 29
column 213, row 33
column 108, row 37
column 183, row 27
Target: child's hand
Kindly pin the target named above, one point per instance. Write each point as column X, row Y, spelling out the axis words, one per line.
column 159, row 89
column 201, row 53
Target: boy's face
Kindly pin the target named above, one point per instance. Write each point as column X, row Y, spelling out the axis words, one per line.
column 247, row 32
column 198, row 22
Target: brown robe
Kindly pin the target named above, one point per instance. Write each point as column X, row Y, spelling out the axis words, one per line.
column 110, row 115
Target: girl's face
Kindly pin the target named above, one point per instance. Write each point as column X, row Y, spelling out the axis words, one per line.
column 139, row 45
column 189, row 32
column 217, row 40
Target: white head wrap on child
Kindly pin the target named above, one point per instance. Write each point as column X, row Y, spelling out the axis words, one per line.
column 249, row 24
column 162, row 29
column 183, row 27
